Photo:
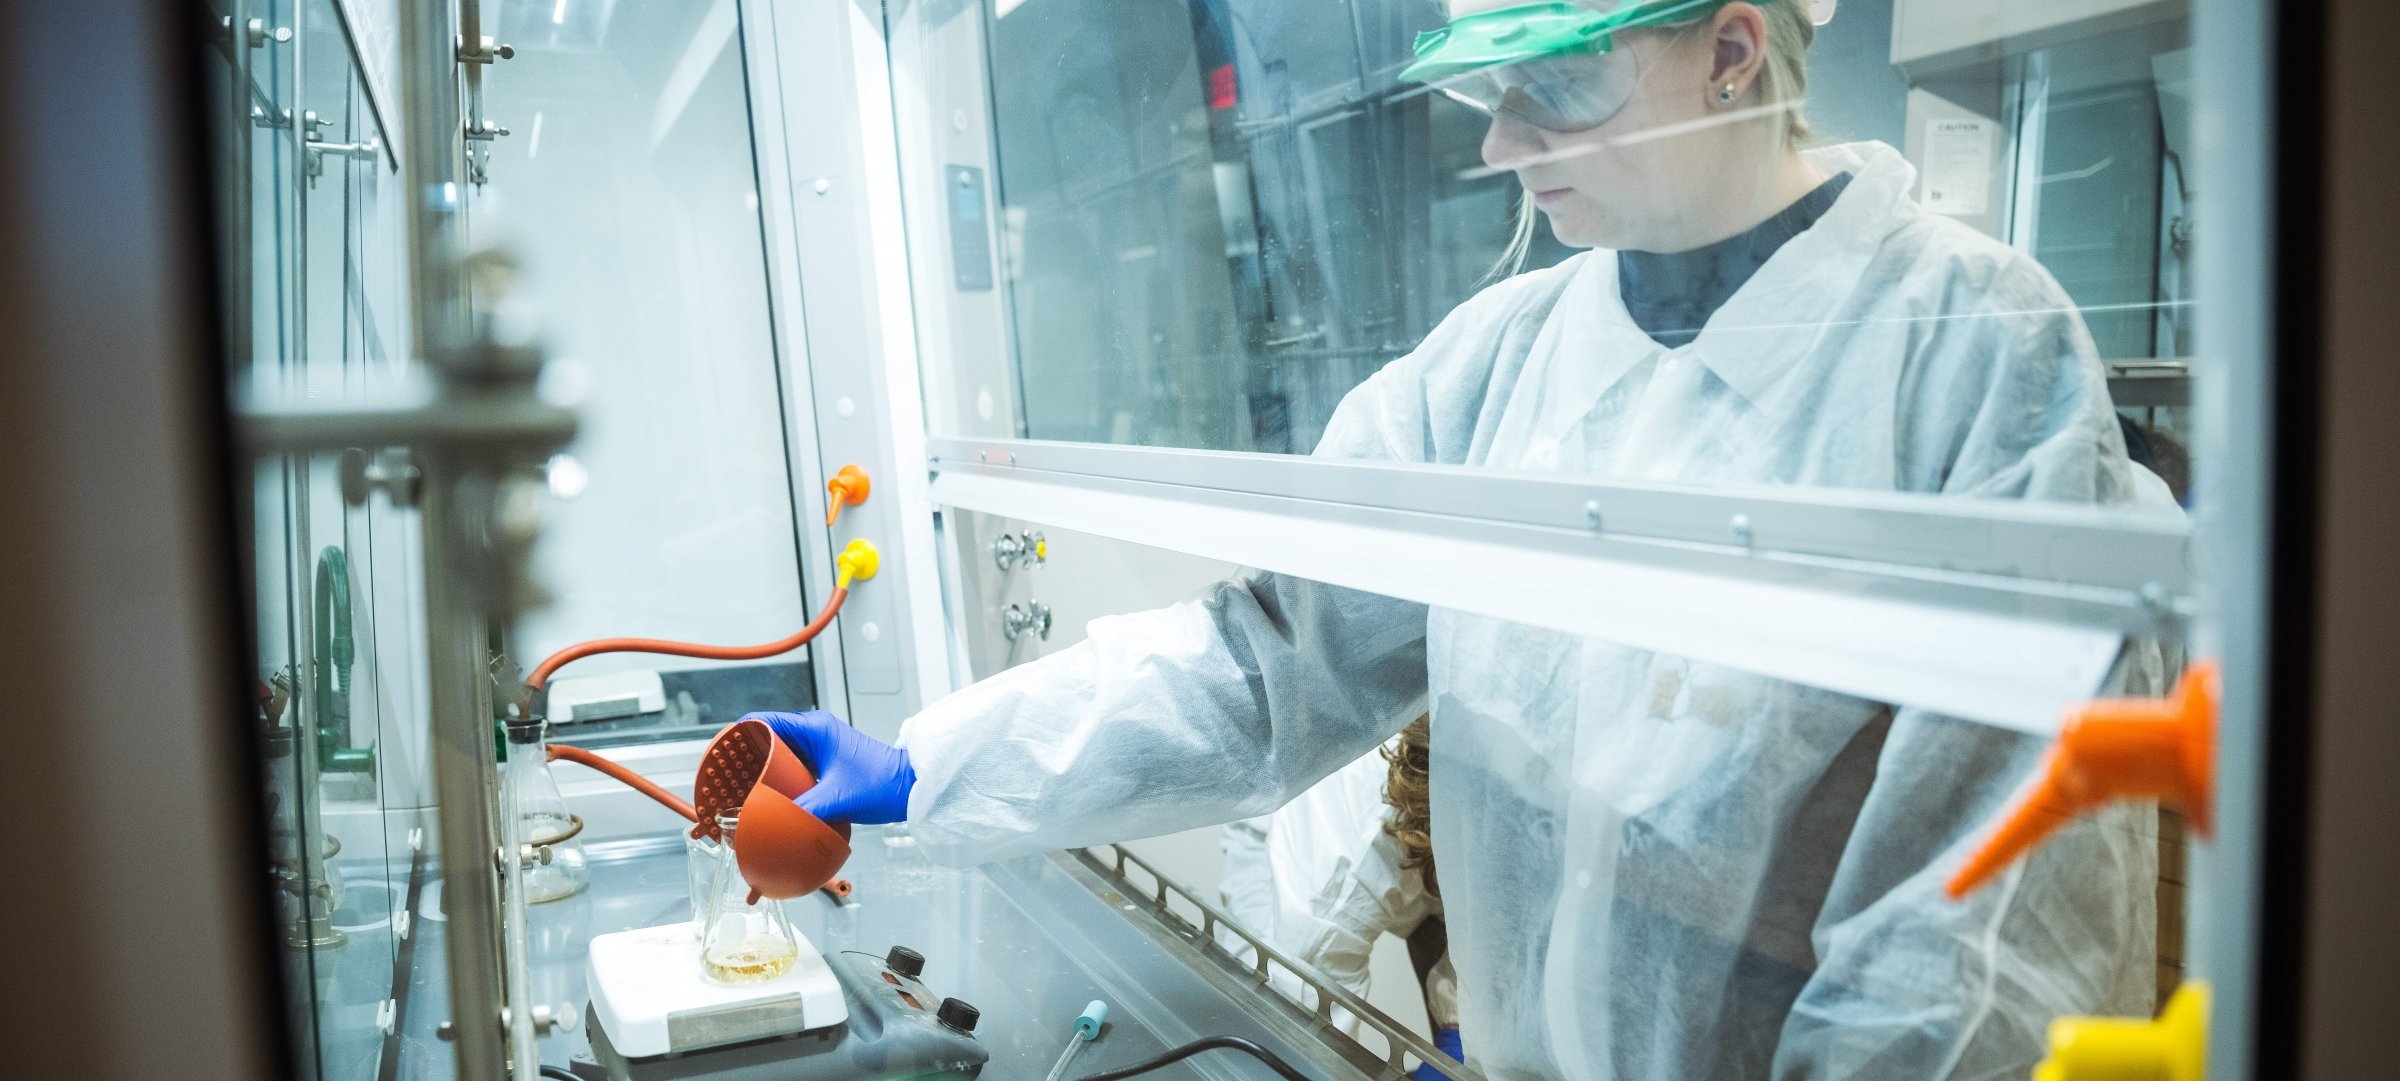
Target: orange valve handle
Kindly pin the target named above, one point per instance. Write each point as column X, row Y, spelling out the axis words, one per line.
column 2109, row 751
column 848, row 486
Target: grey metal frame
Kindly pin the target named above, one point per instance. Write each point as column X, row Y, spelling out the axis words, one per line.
column 782, row 237
column 2308, row 858
column 2243, row 147
column 815, row 167
column 2079, row 565
column 1266, row 961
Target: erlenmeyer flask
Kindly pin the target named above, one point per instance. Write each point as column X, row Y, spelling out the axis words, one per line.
column 531, row 794
column 701, row 855
column 742, row 941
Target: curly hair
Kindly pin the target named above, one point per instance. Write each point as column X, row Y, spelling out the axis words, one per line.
column 1407, row 788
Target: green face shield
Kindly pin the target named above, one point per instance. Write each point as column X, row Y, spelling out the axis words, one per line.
column 1552, row 65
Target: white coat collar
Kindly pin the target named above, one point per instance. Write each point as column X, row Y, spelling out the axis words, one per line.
column 1768, row 324
column 1773, row 319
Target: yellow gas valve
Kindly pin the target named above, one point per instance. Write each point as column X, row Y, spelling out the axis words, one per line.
column 2172, row 1048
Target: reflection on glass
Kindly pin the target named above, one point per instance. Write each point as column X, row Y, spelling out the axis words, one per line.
column 628, row 190
column 1218, row 218
column 1213, row 219
column 312, row 299
column 1764, row 859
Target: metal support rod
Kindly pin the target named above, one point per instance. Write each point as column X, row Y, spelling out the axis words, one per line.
column 429, row 175
column 239, row 275
column 463, row 767
column 464, row 771
column 445, row 416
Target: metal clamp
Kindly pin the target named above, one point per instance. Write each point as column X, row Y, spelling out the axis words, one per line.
column 485, row 130
column 1032, row 616
column 393, row 472
column 312, row 928
column 1030, row 549
column 318, row 150
column 529, row 856
column 258, row 35
column 484, row 51
column 563, row 1017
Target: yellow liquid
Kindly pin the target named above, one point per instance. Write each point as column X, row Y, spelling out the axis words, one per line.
column 754, row 961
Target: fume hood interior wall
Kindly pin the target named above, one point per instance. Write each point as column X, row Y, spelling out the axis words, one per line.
column 628, row 193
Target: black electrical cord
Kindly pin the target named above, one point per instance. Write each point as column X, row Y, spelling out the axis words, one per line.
column 559, row 1073
column 1206, row 1043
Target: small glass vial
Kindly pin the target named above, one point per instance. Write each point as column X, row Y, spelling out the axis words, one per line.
column 741, row 940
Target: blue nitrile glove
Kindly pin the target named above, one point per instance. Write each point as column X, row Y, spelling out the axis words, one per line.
column 860, row 779
column 1446, row 1038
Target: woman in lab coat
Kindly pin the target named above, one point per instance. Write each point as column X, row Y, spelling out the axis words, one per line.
column 1652, row 868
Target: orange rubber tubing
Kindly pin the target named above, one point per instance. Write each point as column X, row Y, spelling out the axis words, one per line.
column 543, row 672
column 636, row 781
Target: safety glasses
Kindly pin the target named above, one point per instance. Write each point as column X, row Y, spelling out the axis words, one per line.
column 1551, row 65
column 1568, row 94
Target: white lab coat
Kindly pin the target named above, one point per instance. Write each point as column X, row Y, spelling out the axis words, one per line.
column 1651, row 868
column 1320, row 880
column 1278, row 866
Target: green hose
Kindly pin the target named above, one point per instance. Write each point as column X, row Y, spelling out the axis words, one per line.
column 330, row 682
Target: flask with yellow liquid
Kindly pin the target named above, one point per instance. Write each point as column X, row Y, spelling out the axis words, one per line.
column 742, row 941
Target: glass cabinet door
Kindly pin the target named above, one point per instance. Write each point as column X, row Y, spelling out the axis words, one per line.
column 627, row 190
column 1202, row 224
column 1694, row 371
column 316, row 315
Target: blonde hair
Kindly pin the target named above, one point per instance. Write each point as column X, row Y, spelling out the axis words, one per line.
column 1782, row 80
column 1408, row 788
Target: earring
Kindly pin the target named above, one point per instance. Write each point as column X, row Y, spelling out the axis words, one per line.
column 1725, row 96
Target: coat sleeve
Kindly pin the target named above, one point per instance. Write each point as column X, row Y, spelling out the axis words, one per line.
column 1358, row 905
column 1221, row 707
column 1217, row 708
column 1226, row 705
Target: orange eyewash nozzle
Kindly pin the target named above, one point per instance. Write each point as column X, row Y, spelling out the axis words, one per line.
column 849, row 486
column 2110, row 750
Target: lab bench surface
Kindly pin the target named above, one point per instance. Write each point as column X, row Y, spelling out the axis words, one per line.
column 1028, row 942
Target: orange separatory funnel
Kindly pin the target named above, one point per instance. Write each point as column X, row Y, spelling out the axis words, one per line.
column 2112, row 750
column 849, row 486
column 782, row 850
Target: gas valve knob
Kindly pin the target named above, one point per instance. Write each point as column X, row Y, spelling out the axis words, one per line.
column 1032, row 617
column 1029, row 549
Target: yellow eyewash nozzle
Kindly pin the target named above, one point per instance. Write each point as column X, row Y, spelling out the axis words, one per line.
column 858, row 562
column 2172, row 1048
